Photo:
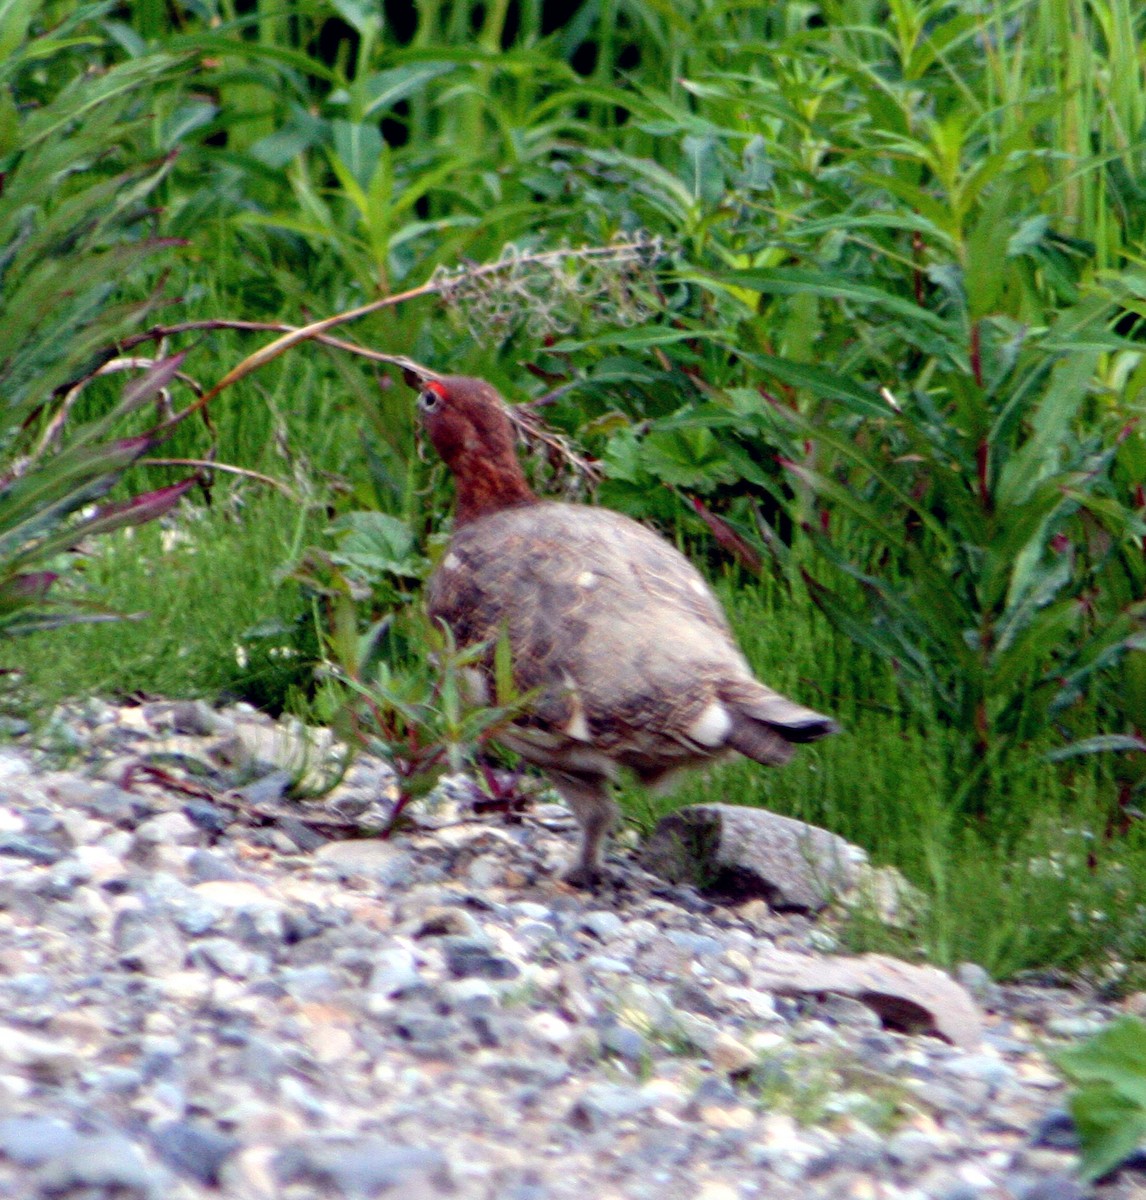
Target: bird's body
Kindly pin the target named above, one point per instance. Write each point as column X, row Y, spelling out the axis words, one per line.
column 630, row 657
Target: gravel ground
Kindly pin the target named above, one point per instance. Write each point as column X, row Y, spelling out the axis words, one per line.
column 205, row 995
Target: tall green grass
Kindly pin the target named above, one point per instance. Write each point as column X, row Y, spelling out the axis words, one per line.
column 210, row 615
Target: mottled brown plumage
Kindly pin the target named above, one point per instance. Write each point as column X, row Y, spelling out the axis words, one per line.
column 632, row 658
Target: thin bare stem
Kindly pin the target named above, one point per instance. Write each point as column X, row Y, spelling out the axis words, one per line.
column 51, row 435
column 534, row 431
column 157, row 332
column 209, row 465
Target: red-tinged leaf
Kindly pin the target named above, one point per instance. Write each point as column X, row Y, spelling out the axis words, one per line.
column 132, row 447
column 138, row 510
column 33, row 585
column 727, row 537
column 151, row 382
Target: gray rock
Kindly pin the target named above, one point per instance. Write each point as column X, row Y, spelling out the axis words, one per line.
column 466, row 957
column 1075, row 1026
column 992, row 1071
column 979, row 983
column 227, row 958
column 715, row 1090
column 194, row 1150
column 750, row 852
column 447, row 920
column 694, row 944
column 425, row 1029
column 603, row 924
column 167, row 829
column 107, row 801
column 311, row 983
column 395, row 971
column 624, row 1042
column 269, row 789
column 843, row 1010
column 192, row 717
column 376, row 859
column 303, row 836
column 368, row 1167
column 261, row 1062
column 194, row 916
column 693, row 998
column 608, row 964
column 490, row 1029
column 468, row 996
column 263, row 929
column 531, row 1072
column 120, row 1080
column 211, row 818
column 35, row 849
column 602, row 1105
column 1054, row 1187
column 1056, row 1131
column 907, row 997
column 912, row 1148
column 50, row 1059
column 109, row 1161
column 664, row 1065
column 30, row 1141
column 147, row 942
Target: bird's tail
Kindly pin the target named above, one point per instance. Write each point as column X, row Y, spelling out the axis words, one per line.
column 765, row 725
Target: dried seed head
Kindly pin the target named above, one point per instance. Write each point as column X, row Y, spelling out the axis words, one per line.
column 554, row 291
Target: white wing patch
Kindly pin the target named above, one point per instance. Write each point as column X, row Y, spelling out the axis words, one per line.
column 712, row 726
column 577, row 727
column 587, row 579
column 451, row 562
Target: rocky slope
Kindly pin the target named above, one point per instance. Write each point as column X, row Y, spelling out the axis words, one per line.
column 204, row 992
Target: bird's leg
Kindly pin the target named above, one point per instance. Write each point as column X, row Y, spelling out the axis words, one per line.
column 596, row 813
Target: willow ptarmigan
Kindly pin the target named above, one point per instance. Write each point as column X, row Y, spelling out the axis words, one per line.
column 632, row 659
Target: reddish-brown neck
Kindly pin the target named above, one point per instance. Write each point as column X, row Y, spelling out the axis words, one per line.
column 486, row 485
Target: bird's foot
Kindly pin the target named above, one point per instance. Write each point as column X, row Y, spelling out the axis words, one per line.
column 585, row 875
column 595, row 876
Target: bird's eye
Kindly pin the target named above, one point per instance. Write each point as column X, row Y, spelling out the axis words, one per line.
column 428, row 400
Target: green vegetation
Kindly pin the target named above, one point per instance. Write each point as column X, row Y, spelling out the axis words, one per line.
column 1109, row 1100
column 875, row 357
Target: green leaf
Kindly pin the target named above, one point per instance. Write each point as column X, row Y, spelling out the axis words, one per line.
column 853, row 396
column 1042, row 454
column 1110, row 1128
column 15, row 17
column 382, row 90
column 1105, row 743
column 1109, row 1105
column 359, row 146
column 378, row 545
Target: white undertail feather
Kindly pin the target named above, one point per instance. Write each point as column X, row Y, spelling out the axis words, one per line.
column 711, row 728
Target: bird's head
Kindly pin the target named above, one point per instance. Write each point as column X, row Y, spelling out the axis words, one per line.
column 465, row 418
column 469, row 426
